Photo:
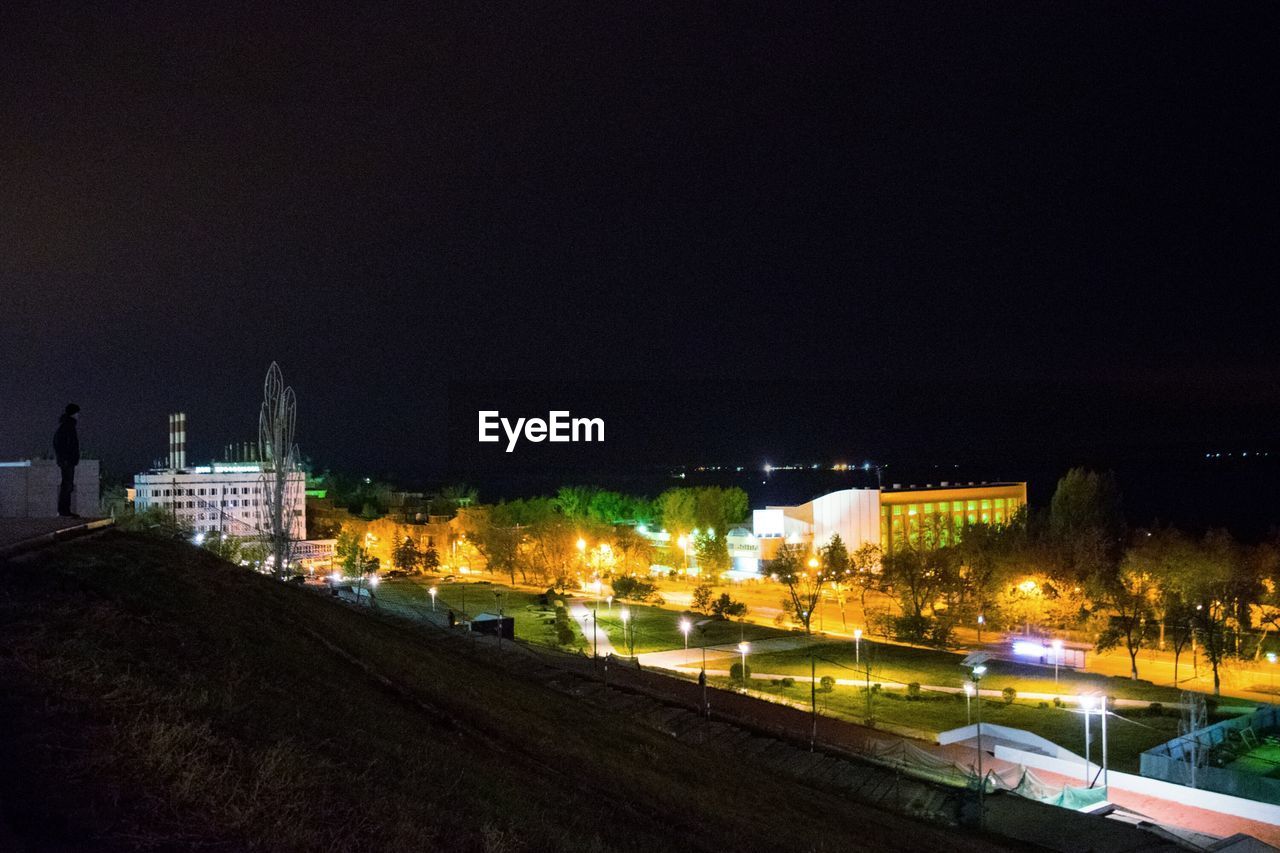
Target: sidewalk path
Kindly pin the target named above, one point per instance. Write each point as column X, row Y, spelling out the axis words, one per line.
column 681, row 659
column 582, row 615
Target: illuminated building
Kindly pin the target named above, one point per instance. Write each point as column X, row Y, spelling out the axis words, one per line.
column 888, row 517
column 221, row 497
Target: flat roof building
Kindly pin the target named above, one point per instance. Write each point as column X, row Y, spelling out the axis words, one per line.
column 888, row 517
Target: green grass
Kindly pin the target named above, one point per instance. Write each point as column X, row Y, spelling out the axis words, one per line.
column 657, row 629
column 906, row 664
column 1128, row 735
column 154, row 697
column 533, row 620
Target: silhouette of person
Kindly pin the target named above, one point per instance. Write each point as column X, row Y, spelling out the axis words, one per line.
column 66, row 450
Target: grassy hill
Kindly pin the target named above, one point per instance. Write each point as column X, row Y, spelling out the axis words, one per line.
column 154, row 697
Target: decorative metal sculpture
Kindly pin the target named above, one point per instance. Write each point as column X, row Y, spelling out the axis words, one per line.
column 280, row 472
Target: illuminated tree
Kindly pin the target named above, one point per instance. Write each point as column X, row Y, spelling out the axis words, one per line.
column 281, row 477
column 839, row 570
column 803, row 581
column 406, row 555
column 1128, row 592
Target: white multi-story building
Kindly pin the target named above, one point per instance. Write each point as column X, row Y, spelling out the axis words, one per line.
column 222, row 497
column 225, row 497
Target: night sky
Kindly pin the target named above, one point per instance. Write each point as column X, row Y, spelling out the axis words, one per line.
column 885, row 230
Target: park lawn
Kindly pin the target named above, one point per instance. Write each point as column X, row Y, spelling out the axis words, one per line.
column 906, row 664
column 657, row 629
column 533, row 620
column 1128, row 733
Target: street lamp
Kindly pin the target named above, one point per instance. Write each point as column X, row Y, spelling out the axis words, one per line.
column 595, row 620
column 977, row 663
column 1271, row 659
column 982, row 620
column 744, row 647
column 433, row 592
column 857, row 645
column 968, row 697
column 685, row 625
column 625, row 615
column 1057, row 658
column 1087, row 705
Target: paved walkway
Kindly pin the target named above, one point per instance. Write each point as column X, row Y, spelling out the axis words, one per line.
column 582, row 615
column 680, row 658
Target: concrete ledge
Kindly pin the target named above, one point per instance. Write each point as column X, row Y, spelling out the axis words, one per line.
column 19, row 535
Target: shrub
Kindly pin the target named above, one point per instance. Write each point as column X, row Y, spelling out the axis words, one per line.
column 725, row 607
column 1155, row 709
column 913, row 691
column 1057, row 701
column 788, row 682
column 735, row 672
column 1044, row 705
column 636, row 589
column 875, row 688
column 1009, row 695
column 827, row 683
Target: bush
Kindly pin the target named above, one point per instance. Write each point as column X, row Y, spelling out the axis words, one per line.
column 1155, row 709
column 788, row 682
column 1044, row 705
column 876, row 688
column 1009, row 694
column 725, row 607
column 913, row 691
column 1057, row 701
column 735, row 672
column 827, row 683
column 636, row 589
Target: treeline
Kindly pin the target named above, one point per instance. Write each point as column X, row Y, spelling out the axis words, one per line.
column 1073, row 567
column 551, row 540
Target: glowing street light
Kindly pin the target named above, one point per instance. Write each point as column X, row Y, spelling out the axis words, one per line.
column 744, row 647
column 982, row 620
column 685, row 626
column 433, row 592
column 977, row 664
column 625, row 615
column 1087, row 705
column 1271, row 659
column 857, row 645
column 968, row 696
column 1057, row 658
column 582, row 545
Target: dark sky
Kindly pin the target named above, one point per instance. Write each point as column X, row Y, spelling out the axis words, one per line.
column 877, row 228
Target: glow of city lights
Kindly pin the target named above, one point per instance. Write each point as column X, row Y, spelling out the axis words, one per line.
column 685, row 626
column 969, row 689
column 582, row 544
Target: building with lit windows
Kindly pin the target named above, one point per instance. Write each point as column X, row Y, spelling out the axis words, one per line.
column 888, row 517
column 221, row 497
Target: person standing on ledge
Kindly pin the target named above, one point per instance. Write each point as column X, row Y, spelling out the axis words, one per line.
column 66, row 449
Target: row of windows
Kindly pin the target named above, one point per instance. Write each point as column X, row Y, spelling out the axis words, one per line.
column 942, row 521
column 1000, row 505
column 165, row 493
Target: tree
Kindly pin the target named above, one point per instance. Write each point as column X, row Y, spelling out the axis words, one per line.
column 635, row 551
column 633, row 588
column 702, row 598
column 803, row 581
column 864, row 571
column 349, row 551
column 839, row 570
column 430, row 559
column 1128, row 592
column 712, row 552
column 1214, row 598
column 406, row 555
column 725, row 607
column 1086, row 524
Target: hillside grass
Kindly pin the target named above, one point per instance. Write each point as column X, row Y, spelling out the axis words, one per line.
column 154, row 697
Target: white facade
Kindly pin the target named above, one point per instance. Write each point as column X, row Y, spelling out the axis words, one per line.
column 226, row 497
column 852, row 513
column 29, row 489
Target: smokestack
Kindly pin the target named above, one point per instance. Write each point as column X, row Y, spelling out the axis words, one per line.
column 178, row 440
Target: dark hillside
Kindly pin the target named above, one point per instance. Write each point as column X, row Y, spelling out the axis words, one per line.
column 153, row 697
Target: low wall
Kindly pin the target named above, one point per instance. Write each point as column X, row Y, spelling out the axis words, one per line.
column 29, row 489
column 993, row 732
column 1197, row 797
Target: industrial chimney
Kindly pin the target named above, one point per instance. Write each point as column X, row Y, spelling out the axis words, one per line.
column 178, row 440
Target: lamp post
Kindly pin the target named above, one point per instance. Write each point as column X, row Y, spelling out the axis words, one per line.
column 1271, row 661
column 595, row 621
column 1087, row 705
column 625, row 615
column 968, row 697
column 982, row 620
column 976, row 675
column 857, row 646
column 685, row 625
column 1057, row 658
column 433, row 592
column 744, row 647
